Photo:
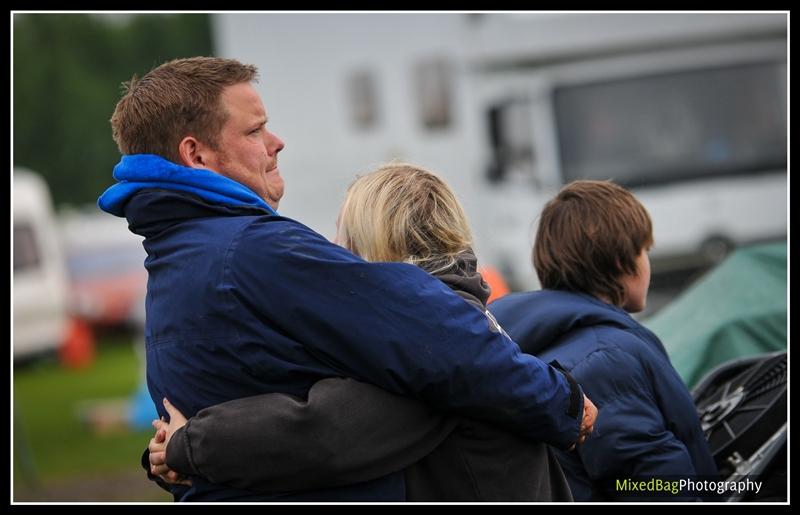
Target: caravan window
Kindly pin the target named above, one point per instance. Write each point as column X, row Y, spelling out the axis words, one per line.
column 511, row 139
column 362, row 94
column 433, row 92
column 26, row 250
column 674, row 126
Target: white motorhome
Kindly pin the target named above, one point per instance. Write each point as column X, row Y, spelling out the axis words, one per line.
column 688, row 110
column 40, row 279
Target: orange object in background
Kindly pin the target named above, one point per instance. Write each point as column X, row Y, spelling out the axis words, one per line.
column 78, row 349
column 495, row 281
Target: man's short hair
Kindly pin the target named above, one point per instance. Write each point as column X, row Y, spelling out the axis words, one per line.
column 175, row 100
column 589, row 236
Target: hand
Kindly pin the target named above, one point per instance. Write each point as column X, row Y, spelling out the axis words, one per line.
column 158, row 446
column 589, row 416
column 587, row 424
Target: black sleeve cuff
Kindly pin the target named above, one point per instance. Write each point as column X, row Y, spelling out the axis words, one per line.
column 576, row 394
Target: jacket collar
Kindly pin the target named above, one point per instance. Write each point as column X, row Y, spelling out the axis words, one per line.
column 538, row 319
column 137, row 172
column 463, row 278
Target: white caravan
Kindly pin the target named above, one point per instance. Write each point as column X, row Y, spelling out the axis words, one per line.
column 40, row 279
column 688, row 110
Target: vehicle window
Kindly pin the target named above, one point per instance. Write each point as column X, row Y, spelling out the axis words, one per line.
column 434, row 91
column 362, row 91
column 511, row 139
column 26, row 251
column 674, row 126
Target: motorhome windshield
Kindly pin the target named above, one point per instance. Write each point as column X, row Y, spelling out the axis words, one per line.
column 674, row 126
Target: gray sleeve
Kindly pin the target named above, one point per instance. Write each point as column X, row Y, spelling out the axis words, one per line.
column 346, row 432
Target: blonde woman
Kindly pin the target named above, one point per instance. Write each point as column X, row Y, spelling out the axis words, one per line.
column 349, row 432
column 405, row 213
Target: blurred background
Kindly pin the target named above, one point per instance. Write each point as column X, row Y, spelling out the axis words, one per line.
column 687, row 110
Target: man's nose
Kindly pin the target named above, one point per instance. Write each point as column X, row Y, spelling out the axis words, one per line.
column 274, row 143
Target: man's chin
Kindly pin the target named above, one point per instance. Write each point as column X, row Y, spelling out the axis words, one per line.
column 274, row 197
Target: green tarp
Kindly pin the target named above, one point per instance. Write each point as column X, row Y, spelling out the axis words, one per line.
column 738, row 309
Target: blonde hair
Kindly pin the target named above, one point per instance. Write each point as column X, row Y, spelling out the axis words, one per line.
column 401, row 212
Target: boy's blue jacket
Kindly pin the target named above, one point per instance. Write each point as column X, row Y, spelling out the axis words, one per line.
column 241, row 301
column 647, row 424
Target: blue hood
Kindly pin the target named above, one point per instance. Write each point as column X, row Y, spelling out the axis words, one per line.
column 138, row 172
column 538, row 319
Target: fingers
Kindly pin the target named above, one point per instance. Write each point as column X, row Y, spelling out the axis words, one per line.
column 162, row 471
column 169, row 407
column 579, row 442
column 590, row 412
column 172, row 477
column 157, row 443
column 158, row 464
column 158, row 458
column 184, row 481
column 159, row 467
column 172, row 410
column 174, row 414
column 589, row 417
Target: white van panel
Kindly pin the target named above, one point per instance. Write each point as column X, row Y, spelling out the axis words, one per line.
column 39, row 281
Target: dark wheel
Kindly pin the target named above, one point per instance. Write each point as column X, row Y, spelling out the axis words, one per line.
column 742, row 409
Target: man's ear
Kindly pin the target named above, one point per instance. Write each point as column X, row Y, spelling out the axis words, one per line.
column 193, row 153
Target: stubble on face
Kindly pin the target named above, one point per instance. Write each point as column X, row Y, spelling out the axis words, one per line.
column 275, row 188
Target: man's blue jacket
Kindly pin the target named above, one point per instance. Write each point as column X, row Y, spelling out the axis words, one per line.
column 647, row 424
column 241, row 301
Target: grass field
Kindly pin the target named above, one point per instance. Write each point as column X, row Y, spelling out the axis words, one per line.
column 58, row 456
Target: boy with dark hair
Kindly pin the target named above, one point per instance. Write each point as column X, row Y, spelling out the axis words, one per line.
column 591, row 258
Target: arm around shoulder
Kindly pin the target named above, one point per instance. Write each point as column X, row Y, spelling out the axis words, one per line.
column 397, row 327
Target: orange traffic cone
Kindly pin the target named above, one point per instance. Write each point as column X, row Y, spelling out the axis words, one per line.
column 77, row 351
